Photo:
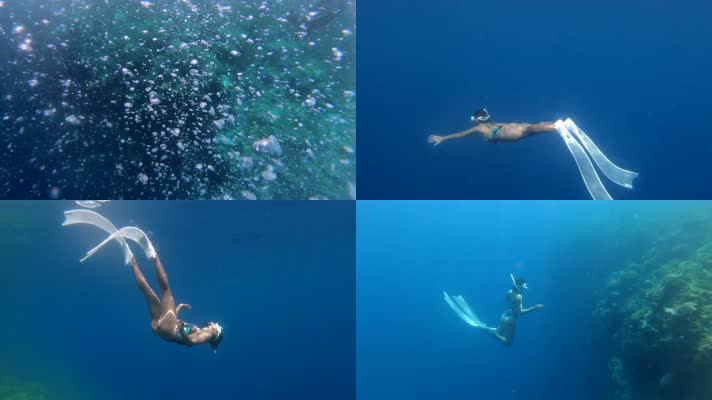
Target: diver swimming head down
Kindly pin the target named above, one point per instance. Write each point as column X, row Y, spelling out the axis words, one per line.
column 480, row 116
column 518, row 283
column 218, row 338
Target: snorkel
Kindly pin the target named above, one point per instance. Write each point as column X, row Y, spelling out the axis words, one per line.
column 519, row 288
column 480, row 116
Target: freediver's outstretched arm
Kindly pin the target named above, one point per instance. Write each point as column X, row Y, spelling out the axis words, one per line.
column 519, row 306
column 436, row 140
column 530, row 309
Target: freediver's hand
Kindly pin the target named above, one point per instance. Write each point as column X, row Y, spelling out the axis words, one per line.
column 435, row 139
column 539, row 306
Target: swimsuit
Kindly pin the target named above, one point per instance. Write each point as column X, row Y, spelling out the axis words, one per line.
column 182, row 330
column 495, row 133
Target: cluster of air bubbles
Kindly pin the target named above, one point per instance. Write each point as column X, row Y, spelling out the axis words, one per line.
column 268, row 147
column 232, row 100
column 72, row 120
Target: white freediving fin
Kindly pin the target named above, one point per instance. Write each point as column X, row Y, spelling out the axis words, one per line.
column 588, row 173
column 91, row 218
column 467, row 310
column 463, row 310
column 129, row 232
column 618, row 175
column 569, row 131
column 90, row 203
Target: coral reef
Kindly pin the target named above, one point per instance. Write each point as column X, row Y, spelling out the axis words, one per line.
column 12, row 390
column 164, row 99
column 658, row 313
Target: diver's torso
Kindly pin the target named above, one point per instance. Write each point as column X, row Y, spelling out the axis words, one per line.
column 514, row 301
column 494, row 132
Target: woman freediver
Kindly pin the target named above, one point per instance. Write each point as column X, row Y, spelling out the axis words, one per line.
column 164, row 312
column 496, row 132
column 504, row 333
column 579, row 144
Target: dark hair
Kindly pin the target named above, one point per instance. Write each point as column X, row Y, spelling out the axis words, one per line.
column 480, row 113
column 519, row 281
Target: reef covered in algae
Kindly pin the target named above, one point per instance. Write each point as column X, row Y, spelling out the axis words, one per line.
column 178, row 99
column 10, row 390
column 656, row 315
column 13, row 387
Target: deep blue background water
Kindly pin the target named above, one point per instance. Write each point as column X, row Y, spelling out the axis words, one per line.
column 633, row 75
column 410, row 344
column 278, row 276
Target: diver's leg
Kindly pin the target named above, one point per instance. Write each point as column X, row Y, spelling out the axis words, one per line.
column 167, row 302
column 505, row 332
column 154, row 304
column 507, row 341
column 533, row 129
column 493, row 332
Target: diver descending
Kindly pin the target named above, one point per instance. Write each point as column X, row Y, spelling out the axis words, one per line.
column 164, row 312
column 509, row 132
column 504, row 333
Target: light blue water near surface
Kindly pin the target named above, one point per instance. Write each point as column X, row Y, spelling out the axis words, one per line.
column 410, row 344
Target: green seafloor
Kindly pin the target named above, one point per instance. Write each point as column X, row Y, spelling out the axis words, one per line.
column 179, row 99
column 655, row 313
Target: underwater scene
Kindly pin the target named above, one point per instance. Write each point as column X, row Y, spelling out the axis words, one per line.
column 537, row 300
column 181, row 99
column 263, row 294
column 633, row 75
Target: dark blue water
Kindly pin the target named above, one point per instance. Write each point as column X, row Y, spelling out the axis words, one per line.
column 633, row 75
column 410, row 344
column 279, row 277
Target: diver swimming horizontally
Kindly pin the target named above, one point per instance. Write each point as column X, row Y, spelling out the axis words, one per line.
column 495, row 132
column 576, row 140
column 164, row 312
column 504, row 333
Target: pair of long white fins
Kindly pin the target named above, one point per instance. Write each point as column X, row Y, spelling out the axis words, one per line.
column 463, row 310
column 74, row 217
column 568, row 130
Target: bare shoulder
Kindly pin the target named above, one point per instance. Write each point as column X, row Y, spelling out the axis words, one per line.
column 482, row 129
